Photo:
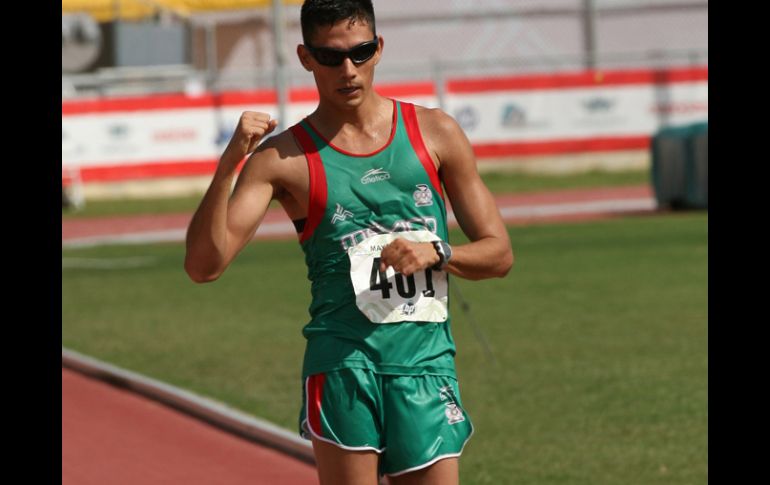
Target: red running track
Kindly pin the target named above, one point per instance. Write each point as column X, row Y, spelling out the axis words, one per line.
column 113, row 436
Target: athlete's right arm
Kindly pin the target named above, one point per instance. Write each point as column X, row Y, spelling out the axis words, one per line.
column 222, row 225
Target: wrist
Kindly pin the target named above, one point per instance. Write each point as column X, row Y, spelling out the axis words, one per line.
column 444, row 252
column 229, row 162
column 437, row 260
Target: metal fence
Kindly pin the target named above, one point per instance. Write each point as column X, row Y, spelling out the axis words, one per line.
column 426, row 40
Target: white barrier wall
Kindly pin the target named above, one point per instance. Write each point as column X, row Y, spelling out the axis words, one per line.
column 157, row 136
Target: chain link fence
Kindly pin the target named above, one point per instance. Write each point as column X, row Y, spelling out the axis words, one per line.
column 425, row 40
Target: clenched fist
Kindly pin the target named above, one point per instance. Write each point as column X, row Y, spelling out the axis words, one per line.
column 408, row 257
column 252, row 127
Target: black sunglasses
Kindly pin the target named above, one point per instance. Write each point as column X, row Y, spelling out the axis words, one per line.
column 359, row 54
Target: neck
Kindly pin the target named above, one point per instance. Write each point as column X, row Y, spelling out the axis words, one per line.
column 334, row 118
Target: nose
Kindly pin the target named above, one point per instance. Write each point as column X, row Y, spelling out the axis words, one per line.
column 348, row 69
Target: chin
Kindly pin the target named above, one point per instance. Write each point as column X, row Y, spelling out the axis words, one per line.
column 353, row 103
column 349, row 102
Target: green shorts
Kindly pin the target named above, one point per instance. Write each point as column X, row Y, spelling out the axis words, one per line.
column 411, row 421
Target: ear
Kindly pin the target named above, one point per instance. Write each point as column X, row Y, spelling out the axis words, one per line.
column 380, row 46
column 304, row 57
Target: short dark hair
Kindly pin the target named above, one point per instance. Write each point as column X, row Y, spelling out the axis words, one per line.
column 316, row 13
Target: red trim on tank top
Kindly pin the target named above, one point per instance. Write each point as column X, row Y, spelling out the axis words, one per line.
column 351, row 154
column 315, row 392
column 317, row 190
column 418, row 145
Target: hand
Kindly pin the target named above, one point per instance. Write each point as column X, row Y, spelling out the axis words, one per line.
column 252, row 127
column 408, row 257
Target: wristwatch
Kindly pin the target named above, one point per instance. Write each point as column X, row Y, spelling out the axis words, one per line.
column 444, row 251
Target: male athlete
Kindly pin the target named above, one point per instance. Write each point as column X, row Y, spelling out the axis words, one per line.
column 364, row 178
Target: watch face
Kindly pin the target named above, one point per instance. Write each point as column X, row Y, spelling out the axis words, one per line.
column 440, row 247
column 447, row 250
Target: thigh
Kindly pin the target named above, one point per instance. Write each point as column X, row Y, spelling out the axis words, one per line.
column 337, row 466
column 443, row 472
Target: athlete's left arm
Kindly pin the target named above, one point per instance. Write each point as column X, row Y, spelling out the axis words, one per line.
column 489, row 253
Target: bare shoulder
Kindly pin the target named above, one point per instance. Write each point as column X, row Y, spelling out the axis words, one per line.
column 275, row 156
column 279, row 147
column 280, row 162
column 435, row 121
column 443, row 136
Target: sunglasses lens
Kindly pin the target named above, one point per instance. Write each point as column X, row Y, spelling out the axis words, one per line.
column 333, row 57
column 363, row 53
column 329, row 57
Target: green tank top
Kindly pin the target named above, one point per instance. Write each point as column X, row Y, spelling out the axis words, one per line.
column 393, row 191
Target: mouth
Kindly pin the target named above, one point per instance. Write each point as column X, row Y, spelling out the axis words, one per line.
column 349, row 90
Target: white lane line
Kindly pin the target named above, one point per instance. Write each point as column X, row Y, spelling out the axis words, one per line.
column 286, row 228
column 107, row 263
column 550, row 210
column 614, row 206
column 172, row 235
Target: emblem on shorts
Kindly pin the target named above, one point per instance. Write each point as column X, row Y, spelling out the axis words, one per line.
column 453, row 413
column 375, row 175
column 422, row 196
column 340, row 214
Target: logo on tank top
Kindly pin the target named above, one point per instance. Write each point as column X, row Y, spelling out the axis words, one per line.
column 422, row 196
column 340, row 214
column 453, row 412
column 375, row 175
column 350, row 239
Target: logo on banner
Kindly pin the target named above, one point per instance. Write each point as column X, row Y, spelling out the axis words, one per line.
column 223, row 135
column 513, row 116
column 599, row 113
column 671, row 107
column 70, row 147
column 120, row 141
column 118, row 131
column 467, row 117
column 171, row 135
column 598, row 105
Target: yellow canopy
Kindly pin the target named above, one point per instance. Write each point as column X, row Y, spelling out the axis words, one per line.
column 108, row 10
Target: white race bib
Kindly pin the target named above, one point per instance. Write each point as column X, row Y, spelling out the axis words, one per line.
column 390, row 297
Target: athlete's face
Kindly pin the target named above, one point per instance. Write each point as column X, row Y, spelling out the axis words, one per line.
column 347, row 84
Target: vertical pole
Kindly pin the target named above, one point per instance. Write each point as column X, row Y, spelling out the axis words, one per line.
column 280, row 64
column 76, row 182
column 211, row 54
column 589, row 33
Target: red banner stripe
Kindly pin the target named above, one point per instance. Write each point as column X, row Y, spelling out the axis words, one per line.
column 129, row 171
column 580, row 79
column 555, row 147
column 401, row 90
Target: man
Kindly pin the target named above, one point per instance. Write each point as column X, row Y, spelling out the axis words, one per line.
column 361, row 177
